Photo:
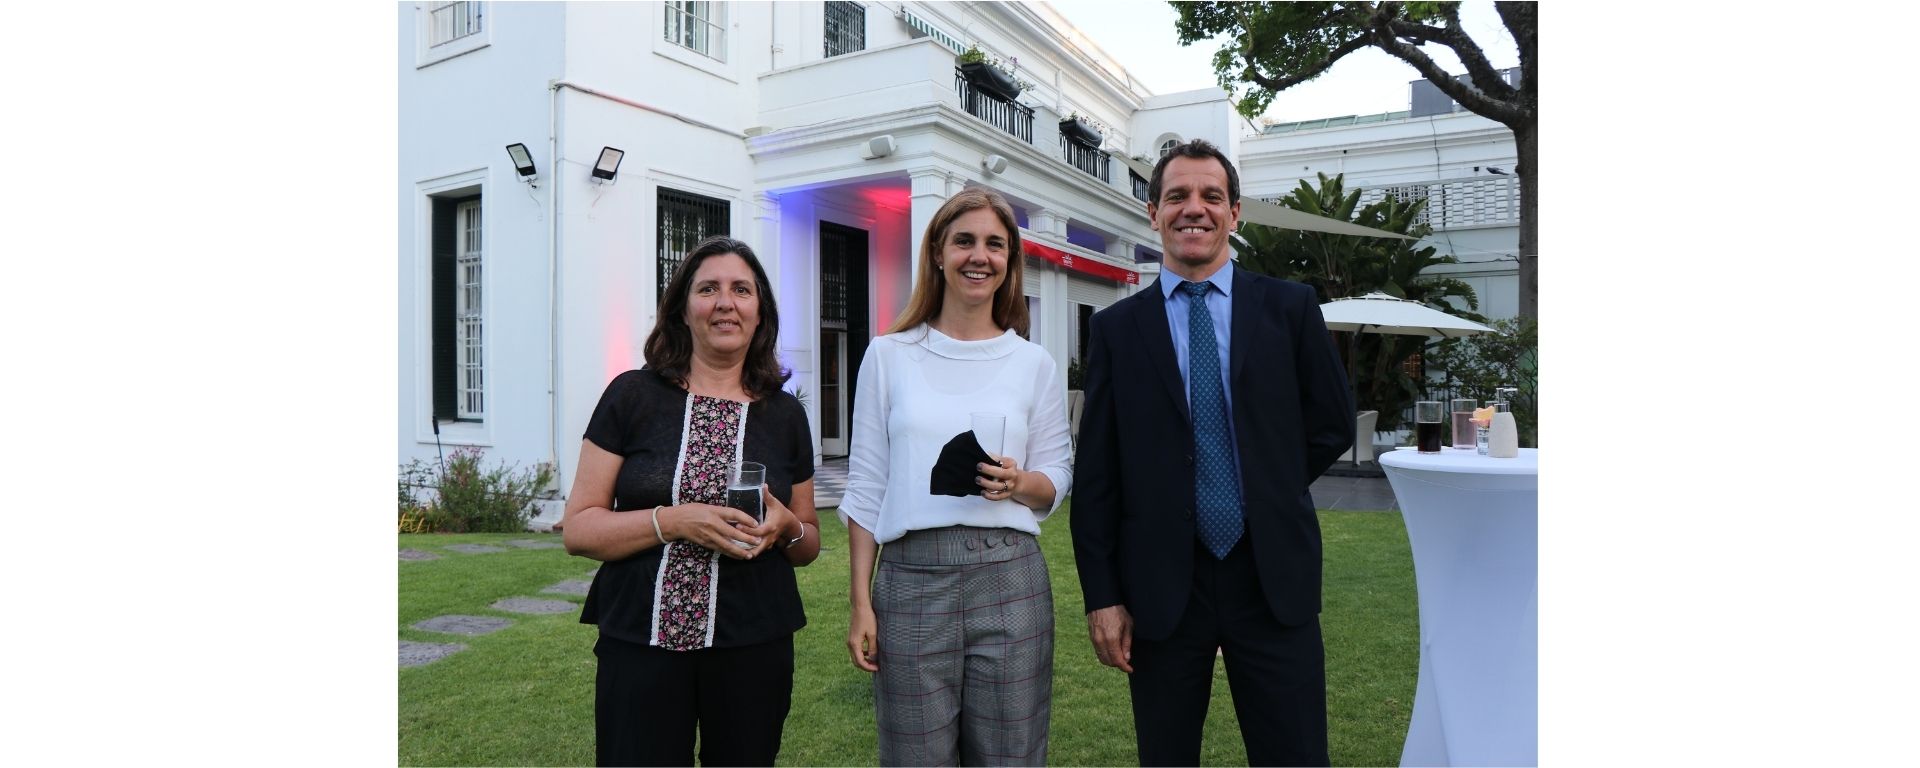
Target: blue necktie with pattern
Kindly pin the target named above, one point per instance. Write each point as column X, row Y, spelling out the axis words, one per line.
column 1216, row 477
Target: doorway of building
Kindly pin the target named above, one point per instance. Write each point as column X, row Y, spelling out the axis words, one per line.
column 844, row 330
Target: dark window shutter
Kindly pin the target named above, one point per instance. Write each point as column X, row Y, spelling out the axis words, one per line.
column 445, row 404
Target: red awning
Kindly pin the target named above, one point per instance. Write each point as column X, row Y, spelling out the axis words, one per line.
column 1081, row 265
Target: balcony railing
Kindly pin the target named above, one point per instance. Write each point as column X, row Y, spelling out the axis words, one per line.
column 1139, row 186
column 1010, row 116
column 1085, row 158
column 1469, row 202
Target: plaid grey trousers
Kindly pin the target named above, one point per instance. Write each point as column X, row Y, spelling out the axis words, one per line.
column 965, row 630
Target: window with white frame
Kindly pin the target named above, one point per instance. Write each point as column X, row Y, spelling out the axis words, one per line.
column 699, row 26
column 459, row 311
column 1167, row 146
column 447, row 22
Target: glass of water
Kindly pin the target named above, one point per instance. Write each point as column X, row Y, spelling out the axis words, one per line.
column 743, row 489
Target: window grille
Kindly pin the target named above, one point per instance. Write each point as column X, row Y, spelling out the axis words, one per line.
column 699, row 26
column 1139, row 186
column 468, row 312
column 685, row 220
column 451, row 21
column 1167, row 146
column 846, row 28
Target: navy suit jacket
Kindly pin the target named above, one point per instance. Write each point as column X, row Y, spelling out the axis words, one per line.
column 1133, row 525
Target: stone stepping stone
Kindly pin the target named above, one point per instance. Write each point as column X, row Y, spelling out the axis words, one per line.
column 474, row 549
column 416, row 554
column 569, row 587
column 414, row 654
column 463, row 625
column 535, row 605
column 536, row 544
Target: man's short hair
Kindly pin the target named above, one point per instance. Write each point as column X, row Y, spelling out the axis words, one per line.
column 1197, row 149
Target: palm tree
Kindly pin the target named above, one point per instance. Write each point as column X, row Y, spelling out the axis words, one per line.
column 1342, row 266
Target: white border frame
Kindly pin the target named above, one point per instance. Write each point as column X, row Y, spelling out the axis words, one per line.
column 426, row 55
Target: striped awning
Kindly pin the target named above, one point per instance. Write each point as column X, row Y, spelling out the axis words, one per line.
column 927, row 28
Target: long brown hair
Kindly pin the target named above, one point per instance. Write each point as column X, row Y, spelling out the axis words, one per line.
column 670, row 345
column 929, row 292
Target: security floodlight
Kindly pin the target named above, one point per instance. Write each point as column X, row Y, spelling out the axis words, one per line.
column 994, row 164
column 608, row 166
column 522, row 162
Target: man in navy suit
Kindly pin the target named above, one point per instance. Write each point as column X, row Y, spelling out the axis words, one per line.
column 1213, row 399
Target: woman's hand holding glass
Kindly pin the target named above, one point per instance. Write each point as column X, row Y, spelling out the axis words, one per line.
column 717, row 528
column 998, row 482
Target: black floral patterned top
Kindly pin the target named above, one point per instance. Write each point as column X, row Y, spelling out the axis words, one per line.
column 677, row 449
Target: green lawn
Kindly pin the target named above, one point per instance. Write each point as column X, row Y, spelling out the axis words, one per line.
column 524, row 695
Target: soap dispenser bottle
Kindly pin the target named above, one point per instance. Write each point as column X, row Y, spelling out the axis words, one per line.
column 1503, row 438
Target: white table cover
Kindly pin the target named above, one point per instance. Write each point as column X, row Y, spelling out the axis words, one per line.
column 1473, row 523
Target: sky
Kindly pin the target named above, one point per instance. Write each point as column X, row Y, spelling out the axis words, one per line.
column 1140, row 35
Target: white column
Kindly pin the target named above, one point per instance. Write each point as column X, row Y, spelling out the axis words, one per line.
column 766, row 235
column 1043, row 221
column 929, row 193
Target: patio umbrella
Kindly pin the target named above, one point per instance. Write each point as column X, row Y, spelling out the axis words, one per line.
column 1380, row 313
column 1257, row 211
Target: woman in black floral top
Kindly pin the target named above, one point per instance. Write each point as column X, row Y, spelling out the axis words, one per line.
column 697, row 603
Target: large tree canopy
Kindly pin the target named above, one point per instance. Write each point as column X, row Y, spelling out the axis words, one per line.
column 1271, row 47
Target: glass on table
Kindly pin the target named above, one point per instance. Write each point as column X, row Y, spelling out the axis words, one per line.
column 1463, row 422
column 1427, row 425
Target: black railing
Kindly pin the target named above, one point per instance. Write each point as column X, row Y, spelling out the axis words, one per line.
column 1086, row 158
column 1139, row 186
column 1010, row 116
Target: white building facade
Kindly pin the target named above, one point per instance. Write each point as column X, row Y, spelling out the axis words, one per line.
column 824, row 134
column 1461, row 162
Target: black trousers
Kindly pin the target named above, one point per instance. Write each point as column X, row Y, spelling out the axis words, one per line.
column 647, row 702
column 1277, row 673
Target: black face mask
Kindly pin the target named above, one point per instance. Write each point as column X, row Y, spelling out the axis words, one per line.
column 953, row 474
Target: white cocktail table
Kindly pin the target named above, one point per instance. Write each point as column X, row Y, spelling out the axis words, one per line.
column 1473, row 524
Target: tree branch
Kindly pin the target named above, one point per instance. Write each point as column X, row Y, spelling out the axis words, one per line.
column 1455, row 38
column 1505, row 112
column 1280, row 84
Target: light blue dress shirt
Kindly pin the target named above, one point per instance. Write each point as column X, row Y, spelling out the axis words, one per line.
column 1220, row 307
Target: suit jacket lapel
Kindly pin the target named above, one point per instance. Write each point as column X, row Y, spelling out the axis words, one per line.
column 1246, row 303
column 1158, row 339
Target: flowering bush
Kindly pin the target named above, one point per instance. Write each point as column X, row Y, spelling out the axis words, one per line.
column 461, row 496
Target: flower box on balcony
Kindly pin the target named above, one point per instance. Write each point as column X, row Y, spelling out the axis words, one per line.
column 991, row 79
column 1078, row 129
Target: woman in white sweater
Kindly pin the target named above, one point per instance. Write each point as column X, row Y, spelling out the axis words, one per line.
column 957, row 623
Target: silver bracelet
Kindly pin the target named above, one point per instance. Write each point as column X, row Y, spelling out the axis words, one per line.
column 663, row 537
column 799, row 538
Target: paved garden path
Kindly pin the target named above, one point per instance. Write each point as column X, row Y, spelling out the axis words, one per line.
column 414, row 654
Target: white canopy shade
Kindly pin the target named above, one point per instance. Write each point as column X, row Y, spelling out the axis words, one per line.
column 1257, row 211
column 1380, row 313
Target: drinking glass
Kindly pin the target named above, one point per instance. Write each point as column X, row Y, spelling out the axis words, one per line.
column 1463, row 422
column 991, row 430
column 743, row 489
column 1427, row 426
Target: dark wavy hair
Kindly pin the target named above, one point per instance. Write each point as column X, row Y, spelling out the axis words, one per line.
column 1198, row 149
column 670, row 345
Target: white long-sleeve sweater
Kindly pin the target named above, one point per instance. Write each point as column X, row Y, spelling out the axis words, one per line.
column 917, row 389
